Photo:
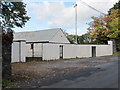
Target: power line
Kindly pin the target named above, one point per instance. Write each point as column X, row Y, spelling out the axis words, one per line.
column 92, row 7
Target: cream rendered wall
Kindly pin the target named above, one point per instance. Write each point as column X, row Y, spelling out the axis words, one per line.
column 23, row 54
column 59, row 38
column 111, row 47
column 28, row 50
column 15, row 52
column 103, row 50
column 69, row 51
column 50, row 51
column 84, row 51
column 37, row 50
column 16, row 55
column 73, row 51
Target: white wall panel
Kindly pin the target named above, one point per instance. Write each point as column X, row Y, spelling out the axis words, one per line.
column 50, row 51
column 38, row 50
column 28, row 50
column 18, row 52
column 83, row 51
column 103, row 50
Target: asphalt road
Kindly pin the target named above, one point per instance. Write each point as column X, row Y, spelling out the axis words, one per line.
column 105, row 77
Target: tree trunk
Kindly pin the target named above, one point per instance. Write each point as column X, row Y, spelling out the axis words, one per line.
column 7, row 39
column 114, row 45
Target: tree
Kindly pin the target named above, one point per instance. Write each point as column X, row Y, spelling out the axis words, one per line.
column 71, row 38
column 98, row 29
column 116, row 6
column 84, row 39
column 13, row 14
column 106, row 27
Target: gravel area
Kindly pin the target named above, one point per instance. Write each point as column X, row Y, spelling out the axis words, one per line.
column 38, row 73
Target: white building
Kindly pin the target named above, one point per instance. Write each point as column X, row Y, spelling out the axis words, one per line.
column 45, row 36
column 52, row 44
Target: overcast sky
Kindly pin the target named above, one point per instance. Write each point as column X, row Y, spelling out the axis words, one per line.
column 49, row 14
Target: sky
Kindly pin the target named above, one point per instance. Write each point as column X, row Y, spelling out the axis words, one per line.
column 50, row 14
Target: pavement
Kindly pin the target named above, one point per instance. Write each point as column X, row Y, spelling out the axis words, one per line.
column 107, row 78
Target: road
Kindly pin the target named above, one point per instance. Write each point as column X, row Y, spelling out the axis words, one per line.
column 106, row 77
column 94, row 72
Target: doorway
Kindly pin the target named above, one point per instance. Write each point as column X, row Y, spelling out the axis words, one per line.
column 93, row 51
column 61, row 51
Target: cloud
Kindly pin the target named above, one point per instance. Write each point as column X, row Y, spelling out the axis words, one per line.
column 79, row 32
column 56, row 14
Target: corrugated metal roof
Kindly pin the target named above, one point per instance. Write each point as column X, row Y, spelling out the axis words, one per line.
column 37, row 36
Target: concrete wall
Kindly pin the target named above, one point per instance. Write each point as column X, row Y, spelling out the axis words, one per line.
column 35, row 52
column 83, row 51
column 103, row 50
column 28, row 50
column 50, row 51
column 76, row 51
column 18, row 51
column 69, row 51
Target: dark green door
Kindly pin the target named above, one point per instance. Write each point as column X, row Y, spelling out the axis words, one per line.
column 61, row 51
column 93, row 51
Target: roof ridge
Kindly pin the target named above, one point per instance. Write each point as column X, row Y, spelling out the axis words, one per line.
column 38, row 30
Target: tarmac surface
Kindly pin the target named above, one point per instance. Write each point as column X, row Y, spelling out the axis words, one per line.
column 96, row 72
column 106, row 77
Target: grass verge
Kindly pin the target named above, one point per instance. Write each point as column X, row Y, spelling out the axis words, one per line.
column 117, row 53
column 6, row 83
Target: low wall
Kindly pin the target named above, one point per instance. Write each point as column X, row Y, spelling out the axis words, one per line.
column 36, row 51
column 50, row 51
column 103, row 50
column 76, row 51
column 18, row 51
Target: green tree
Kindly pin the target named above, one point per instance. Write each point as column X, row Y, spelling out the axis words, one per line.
column 116, row 6
column 71, row 38
column 98, row 29
column 84, row 39
column 13, row 14
column 106, row 27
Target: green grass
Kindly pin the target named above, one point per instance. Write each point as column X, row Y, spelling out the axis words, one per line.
column 117, row 53
column 6, row 83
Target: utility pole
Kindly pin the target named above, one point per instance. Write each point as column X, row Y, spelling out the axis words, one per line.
column 75, row 6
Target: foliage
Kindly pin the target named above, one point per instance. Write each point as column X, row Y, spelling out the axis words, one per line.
column 98, row 29
column 106, row 27
column 83, row 39
column 117, row 53
column 116, row 6
column 6, row 83
column 13, row 14
column 71, row 38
